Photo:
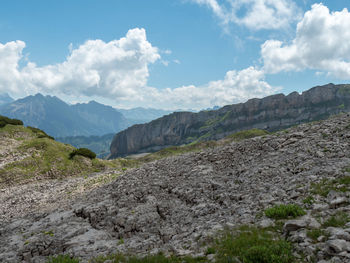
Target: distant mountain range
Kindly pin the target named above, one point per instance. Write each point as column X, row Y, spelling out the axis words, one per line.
column 60, row 119
column 5, row 98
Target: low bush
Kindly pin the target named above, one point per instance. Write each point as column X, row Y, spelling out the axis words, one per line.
column 83, row 152
column 284, row 211
column 4, row 120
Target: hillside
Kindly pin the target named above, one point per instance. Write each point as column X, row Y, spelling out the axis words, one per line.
column 30, row 155
column 292, row 185
column 59, row 119
column 271, row 113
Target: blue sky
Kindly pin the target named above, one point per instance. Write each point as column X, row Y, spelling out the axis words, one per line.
column 171, row 54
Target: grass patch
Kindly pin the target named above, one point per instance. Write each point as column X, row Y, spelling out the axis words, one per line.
column 253, row 245
column 309, row 200
column 247, row 134
column 337, row 220
column 160, row 258
column 284, row 211
column 45, row 159
column 325, row 186
column 62, row 259
column 314, row 234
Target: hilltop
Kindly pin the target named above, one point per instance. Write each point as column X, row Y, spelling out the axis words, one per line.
column 293, row 183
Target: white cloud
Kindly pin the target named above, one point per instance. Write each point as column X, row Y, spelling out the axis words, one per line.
column 118, row 68
column 254, row 14
column 237, row 86
column 118, row 71
column 322, row 43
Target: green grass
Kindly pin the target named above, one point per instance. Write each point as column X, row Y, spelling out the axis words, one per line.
column 309, row 200
column 284, row 211
column 325, row 186
column 62, row 259
column 160, row 258
column 247, row 134
column 253, row 245
column 46, row 158
column 314, row 234
column 337, row 220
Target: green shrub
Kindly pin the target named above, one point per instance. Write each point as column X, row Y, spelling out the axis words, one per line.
column 83, row 152
column 62, row 259
column 284, row 211
column 40, row 133
column 253, row 245
column 4, row 120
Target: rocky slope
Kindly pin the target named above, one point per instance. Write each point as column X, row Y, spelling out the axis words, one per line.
column 270, row 113
column 177, row 204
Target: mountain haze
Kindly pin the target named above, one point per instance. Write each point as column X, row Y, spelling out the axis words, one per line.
column 5, row 98
column 59, row 119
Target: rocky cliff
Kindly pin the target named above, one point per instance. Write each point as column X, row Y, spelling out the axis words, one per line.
column 270, row 113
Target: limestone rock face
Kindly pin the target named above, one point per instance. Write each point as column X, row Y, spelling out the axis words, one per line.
column 270, row 113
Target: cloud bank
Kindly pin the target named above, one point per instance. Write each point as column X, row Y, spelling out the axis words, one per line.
column 254, row 14
column 322, row 43
column 118, row 70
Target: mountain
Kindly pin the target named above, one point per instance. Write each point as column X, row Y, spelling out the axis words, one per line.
column 142, row 115
column 5, row 98
column 59, row 119
column 270, row 113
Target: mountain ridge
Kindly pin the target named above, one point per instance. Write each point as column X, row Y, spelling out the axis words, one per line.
column 270, row 113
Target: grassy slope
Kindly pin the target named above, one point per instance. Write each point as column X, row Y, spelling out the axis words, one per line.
column 44, row 157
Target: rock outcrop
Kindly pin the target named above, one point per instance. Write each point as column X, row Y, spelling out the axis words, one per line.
column 270, row 113
column 177, row 204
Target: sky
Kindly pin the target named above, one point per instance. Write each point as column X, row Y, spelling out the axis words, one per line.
column 171, row 54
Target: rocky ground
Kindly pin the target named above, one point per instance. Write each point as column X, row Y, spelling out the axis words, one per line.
column 177, row 204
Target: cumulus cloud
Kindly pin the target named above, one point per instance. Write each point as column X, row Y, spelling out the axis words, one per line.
column 118, row 71
column 322, row 43
column 237, row 86
column 254, row 14
column 118, row 68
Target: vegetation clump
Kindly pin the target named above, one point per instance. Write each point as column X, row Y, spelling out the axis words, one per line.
column 284, row 211
column 63, row 259
column 83, row 152
column 4, row 121
column 322, row 188
column 253, row 245
column 247, row 134
column 40, row 133
column 337, row 220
